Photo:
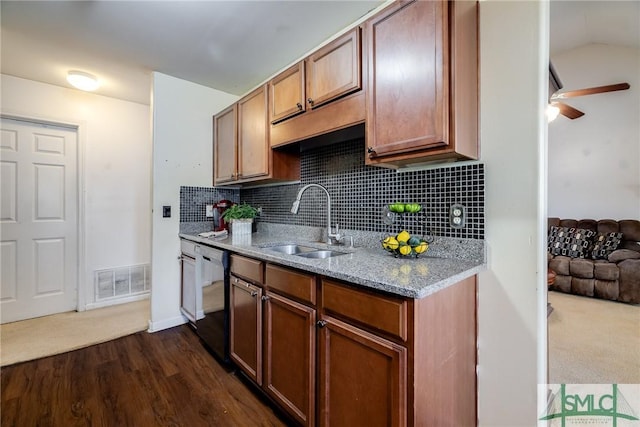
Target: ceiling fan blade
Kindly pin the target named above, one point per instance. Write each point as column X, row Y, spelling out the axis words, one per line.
column 591, row 91
column 568, row 111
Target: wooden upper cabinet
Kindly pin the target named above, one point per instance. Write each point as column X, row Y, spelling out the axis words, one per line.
column 422, row 82
column 225, row 146
column 334, row 70
column 287, row 93
column 331, row 72
column 253, row 135
column 242, row 152
column 408, row 83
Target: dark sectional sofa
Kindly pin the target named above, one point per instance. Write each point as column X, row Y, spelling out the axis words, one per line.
column 596, row 258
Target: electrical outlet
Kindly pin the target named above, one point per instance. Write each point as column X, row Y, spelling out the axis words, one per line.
column 209, row 211
column 456, row 216
column 166, row 212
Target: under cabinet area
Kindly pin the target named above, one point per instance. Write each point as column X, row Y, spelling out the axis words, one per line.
column 332, row 353
column 242, row 152
column 429, row 115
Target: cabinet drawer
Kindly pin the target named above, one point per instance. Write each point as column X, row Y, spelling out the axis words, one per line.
column 292, row 283
column 379, row 312
column 248, row 268
column 188, row 247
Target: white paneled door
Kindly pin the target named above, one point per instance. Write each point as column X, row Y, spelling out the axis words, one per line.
column 38, row 220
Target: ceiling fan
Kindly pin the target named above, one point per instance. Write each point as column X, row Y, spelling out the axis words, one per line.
column 566, row 110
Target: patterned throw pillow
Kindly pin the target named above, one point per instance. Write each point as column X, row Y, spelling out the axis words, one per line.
column 604, row 244
column 571, row 242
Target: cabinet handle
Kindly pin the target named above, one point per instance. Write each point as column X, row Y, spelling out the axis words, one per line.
column 321, row 323
column 299, row 106
column 310, row 101
column 265, row 298
column 371, row 150
column 254, row 293
column 236, row 280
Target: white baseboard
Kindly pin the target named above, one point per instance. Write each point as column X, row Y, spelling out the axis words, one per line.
column 159, row 325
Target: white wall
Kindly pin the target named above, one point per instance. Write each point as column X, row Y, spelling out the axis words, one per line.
column 182, row 155
column 115, row 142
column 594, row 161
column 513, row 57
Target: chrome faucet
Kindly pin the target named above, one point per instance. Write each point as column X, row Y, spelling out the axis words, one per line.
column 332, row 238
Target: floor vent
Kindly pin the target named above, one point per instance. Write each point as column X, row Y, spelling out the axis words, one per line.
column 122, row 282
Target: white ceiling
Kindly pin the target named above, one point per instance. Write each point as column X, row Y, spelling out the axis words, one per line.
column 576, row 23
column 228, row 45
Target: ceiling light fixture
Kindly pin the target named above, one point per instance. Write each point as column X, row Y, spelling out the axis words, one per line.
column 82, row 80
column 552, row 112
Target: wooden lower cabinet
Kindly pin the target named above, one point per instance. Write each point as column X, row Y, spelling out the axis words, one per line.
column 362, row 378
column 289, row 356
column 245, row 317
column 334, row 354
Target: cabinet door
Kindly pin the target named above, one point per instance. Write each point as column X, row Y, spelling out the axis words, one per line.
column 363, row 378
column 253, row 135
column 407, row 95
column 289, row 371
column 224, row 143
column 286, row 93
column 335, row 70
column 246, row 327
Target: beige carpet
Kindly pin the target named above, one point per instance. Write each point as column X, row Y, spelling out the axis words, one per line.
column 59, row 333
column 593, row 341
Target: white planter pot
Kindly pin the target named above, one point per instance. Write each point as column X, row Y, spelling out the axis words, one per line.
column 240, row 226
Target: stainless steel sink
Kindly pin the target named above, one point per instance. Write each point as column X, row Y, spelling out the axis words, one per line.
column 321, row 254
column 291, row 249
column 304, row 251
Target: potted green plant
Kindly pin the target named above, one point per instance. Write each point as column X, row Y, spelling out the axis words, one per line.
column 240, row 218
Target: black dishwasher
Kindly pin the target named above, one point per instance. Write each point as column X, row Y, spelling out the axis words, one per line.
column 208, row 309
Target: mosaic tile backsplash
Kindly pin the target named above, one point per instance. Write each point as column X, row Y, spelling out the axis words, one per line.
column 193, row 201
column 358, row 195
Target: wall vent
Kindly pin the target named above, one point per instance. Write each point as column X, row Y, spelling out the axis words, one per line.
column 121, row 282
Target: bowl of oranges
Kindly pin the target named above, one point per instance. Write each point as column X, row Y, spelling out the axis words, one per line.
column 404, row 244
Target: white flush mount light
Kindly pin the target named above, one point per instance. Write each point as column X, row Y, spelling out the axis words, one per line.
column 82, row 80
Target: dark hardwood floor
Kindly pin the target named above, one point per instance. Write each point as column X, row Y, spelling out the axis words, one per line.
column 162, row 379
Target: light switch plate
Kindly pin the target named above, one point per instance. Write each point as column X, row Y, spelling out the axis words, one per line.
column 456, row 216
column 209, row 211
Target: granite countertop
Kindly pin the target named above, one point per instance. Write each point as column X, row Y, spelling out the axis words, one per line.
column 366, row 266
